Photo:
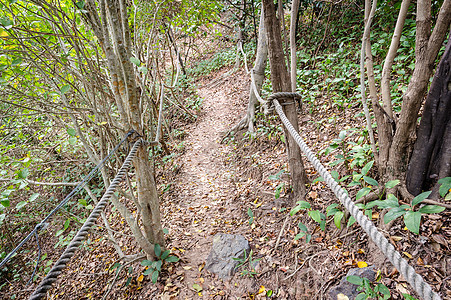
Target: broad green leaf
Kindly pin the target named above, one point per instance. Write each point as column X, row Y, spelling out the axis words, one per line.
column 445, row 186
column 143, row 70
column 155, row 276
column 165, row 231
column 431, row 209
column 412, row 220
column 72, row 141
column 342, row 135
column 409, row 297
column 367, row 167
column 351, row 221
column 302, row 227
column 337, row 219
column 363, row 192
column 384, row 290
column 300, row 205
column 16, row 62
column 157, row 250
column 318, row 179
column 361, row 296
column 23, row 173
column 390, row 202
column 315, row 215
column 165, row 254
column 135, row 61
column 33, row 197
column 82, row 202
column 392, row 184
column 370, row 181
column 197, row 287
column 71, row 131
column 420, row 197
column 172, row 259
column 158, row 264
column 80, row 4
column 354, row 280
column 300, row 235
column 394, row 213
column 65, row 88
column 148, row 271
column 146, row 263
column 334, row 174
column 21, row 204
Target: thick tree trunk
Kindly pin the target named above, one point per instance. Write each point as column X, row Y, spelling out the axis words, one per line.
column 431, row 157
column 427, row 46
column 280, row 80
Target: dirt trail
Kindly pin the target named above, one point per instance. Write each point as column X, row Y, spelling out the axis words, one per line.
column 204, row 188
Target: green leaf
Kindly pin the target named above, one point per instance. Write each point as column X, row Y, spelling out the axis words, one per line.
column 33, row 197
column 363, row 192
column 172, row 259
column 165, row 231
column 72, row 141
column 390, row 202
column 155, row 276
column 80, row 4
column 71, row 132
column 165, row 254
column 354, row 280
column 148, row 271
column 409, row 297
column 197, row 287
column 420, row 197
column 445, row 186
column 158, row 264
column 300, row 235
column 392, row 184
column 146, row 263
column 361, row 296
column 337, row 219
column 302, row 227
column 351, row 221
column 157, row 250
column 367, row 167
column 135, row 61
column 143, row 70
column 21, row 204
column 23, row 173
column 384, row 290
column 412, row 220
column 342, row 135
column 301, row 205
column 65, row 89
column 370, row 181
column 16, row 62
column 394, row 213
column 318, row 179
column 315, row 215
column 278, row 190
column 431, row 209
column 335, row 175
column 82, row 202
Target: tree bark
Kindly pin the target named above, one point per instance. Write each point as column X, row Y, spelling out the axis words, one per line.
column 431, row 157
column 427, row 47
column 280, row 80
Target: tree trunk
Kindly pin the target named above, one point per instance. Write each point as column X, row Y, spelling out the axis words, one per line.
column 280, row 80
column 431, row 157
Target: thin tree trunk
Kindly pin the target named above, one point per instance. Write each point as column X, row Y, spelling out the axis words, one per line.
column 294, row 14
column 280, row 80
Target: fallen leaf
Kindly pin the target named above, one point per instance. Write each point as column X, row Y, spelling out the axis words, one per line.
column 400, row 287
column 342, row 297
column 201, row 266
column 396, row 238
column 261, row 290
column 140, row 278
column 197, row 287
column 187, row 267
column 407, row 254
column 362, row 264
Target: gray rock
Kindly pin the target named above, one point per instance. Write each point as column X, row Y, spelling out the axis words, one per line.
column 348, row 289
column 224, row 248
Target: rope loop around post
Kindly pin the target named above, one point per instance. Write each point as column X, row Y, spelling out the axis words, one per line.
column 415, row 280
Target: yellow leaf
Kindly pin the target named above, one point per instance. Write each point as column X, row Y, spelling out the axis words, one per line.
column 140, row 278
column 408, row 254
column 342, row 297
column 261, row 290
column 361, row 251
column 259, row 204
column 3, row 33
column 187, row 267
column 362, row 264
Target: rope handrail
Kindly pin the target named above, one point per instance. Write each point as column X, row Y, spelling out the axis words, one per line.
column 58, row 267
column 43, row 224
column 415, row 280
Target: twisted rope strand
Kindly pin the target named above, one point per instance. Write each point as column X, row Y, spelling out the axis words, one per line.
column 57, row 269
column 415, row 280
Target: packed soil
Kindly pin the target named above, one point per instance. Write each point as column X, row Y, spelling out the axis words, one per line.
column 217, row 185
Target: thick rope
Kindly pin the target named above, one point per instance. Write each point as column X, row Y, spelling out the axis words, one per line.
column 416, row 281
column 43, row 224
column 57, row 269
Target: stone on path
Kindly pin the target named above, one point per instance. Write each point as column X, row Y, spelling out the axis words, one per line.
column 345, row 288
column 224, row 248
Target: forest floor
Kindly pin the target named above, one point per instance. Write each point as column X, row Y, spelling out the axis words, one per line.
column 211, row 186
